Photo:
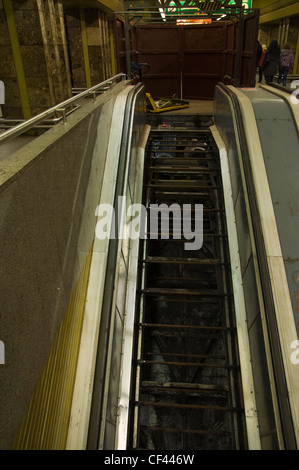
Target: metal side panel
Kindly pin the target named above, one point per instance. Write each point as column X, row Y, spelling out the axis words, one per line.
column 279, row 139
column 254, row 441
column 272, row 138
column 264, row 382
column 290, row 99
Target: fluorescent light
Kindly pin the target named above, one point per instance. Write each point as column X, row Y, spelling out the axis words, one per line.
column 162, row 14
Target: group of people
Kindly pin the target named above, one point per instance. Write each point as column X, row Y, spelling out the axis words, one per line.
column 273, row 60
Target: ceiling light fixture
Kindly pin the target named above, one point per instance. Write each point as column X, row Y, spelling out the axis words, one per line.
column 162, row 14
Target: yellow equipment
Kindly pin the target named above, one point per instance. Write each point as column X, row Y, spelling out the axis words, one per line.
column 165, row 104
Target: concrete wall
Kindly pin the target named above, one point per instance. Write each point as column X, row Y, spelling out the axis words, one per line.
column 89, row 46
column 48, row 47
column 49, row 190
column 33, row 55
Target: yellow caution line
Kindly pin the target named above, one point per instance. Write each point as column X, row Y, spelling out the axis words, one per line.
column 15, row 44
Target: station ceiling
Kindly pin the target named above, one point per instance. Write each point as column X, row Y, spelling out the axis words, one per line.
column 171, row 10
column 166, row 10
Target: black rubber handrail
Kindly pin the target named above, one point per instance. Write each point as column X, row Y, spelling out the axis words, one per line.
column 104, row 333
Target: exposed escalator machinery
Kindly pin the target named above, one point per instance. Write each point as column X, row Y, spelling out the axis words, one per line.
column 186, row 392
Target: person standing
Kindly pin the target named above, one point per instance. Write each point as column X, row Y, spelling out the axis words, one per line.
column 271, row 61
column 259, row 51
column 285, row 62
column 258, row 56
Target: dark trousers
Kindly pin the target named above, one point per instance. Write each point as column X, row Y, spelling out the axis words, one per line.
column 260, row 74
column 283, row 73
column 269, row 79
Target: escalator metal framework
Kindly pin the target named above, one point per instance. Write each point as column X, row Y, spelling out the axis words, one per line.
column 187, row 388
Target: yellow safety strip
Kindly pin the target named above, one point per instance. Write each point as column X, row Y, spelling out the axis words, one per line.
column 46, row 422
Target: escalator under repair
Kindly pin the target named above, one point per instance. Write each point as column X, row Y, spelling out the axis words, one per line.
column 186, row 392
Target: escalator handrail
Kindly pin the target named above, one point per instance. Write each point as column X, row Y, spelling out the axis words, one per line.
column 99, row 382
column 281, row 384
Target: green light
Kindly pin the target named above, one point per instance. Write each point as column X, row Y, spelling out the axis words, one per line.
column 246, row 3
column 207, row 5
